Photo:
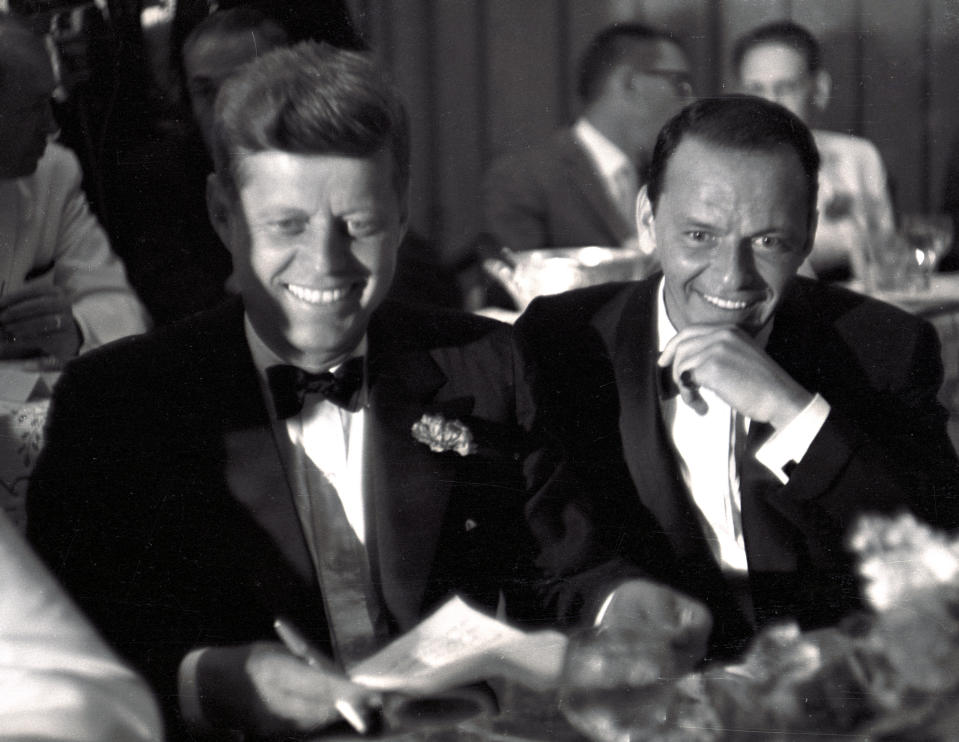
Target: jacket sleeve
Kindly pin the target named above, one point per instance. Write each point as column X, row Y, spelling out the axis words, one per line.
column 86, row 268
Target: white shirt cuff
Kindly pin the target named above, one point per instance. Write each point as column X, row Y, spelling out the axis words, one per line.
column 786, row 447
column 188, row 689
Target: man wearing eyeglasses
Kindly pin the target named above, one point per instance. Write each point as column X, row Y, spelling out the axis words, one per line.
column 782, row 62
column 579, row 188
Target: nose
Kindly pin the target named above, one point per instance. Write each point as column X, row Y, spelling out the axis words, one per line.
column 737, row 265
column 327, row 252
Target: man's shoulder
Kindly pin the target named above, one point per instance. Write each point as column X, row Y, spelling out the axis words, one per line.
column 863, row 320
column 402, row 327
column 845, row 146
column 581, row 306
column 162, row 358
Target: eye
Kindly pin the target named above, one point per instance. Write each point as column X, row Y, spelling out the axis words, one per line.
column 699, row 236
column 363, row 227
column 771, row 243
column 290, row 226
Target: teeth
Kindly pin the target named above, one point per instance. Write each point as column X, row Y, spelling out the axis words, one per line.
column 724, row 303
column 318, row 296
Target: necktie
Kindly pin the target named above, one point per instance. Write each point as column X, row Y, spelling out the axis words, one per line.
column 289, row 385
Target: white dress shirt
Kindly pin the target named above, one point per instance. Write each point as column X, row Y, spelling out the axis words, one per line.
column 706, row 450
column 612, row 164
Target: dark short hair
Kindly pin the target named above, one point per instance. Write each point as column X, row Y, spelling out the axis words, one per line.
column 737, row 122
column 310, row 99
column 241, row 19
column 786, row 33
column 607, row 49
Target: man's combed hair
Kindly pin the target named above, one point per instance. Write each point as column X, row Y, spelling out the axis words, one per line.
column 607, row 49
column 737, row 122
column 310, row 99
column 786, row 33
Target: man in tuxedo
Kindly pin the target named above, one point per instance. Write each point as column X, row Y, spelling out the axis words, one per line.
column 725, row 422
column 579, row 188
column 257, row 460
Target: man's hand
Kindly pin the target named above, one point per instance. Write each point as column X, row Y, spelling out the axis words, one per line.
column 37, row 320
column 262, row 689
column 727, row 361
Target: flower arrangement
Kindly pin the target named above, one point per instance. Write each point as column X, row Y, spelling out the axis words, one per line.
column 892, row 674
column 443, row 435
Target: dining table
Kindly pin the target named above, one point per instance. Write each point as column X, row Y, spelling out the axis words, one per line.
column 25, row 390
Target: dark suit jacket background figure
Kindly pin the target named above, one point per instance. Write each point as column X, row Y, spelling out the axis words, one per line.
column 551, row 196
column 590, row 372
column 162, row 503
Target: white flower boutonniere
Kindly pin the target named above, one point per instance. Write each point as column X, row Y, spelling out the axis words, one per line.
column 444, row 435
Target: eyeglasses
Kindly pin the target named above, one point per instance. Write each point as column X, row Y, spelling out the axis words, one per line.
column 678, row 81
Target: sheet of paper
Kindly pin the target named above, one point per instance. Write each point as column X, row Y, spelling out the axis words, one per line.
column 459, row 645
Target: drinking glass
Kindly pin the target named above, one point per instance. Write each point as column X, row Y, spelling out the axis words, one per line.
column 617, row 684
column 929, row 237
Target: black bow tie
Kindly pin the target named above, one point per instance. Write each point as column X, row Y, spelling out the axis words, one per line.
column 289, row 385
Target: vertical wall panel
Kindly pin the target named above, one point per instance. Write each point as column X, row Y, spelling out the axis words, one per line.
column 460, row 137
column 522, row 57
column 835, row 24
column 944, row 89
column 893, row 85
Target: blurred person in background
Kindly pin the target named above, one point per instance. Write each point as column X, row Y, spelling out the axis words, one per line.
column 579, row 187
column 62, row 289
column 782, row 62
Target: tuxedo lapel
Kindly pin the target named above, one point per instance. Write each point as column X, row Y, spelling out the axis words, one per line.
column 407, row 485
column 255, row 476
column 629, row 328
column 583, row 175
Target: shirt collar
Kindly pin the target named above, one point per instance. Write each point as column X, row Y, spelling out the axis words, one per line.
column 264, row 357
column 608, row 157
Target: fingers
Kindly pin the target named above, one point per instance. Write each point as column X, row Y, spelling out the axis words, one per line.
column 38, row 320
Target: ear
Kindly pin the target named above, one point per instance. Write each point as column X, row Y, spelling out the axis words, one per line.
column 645, row 223
column 822, row 89
column 219, row 205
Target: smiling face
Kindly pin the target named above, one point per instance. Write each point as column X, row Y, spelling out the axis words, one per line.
column 314, row 241
column 731, row 229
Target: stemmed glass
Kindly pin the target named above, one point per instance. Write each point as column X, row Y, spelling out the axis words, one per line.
column 929, row 237
column 623, row 680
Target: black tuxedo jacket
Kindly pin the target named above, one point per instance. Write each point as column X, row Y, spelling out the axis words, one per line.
column 161, row 502
column 551, row 196
column 592, row 385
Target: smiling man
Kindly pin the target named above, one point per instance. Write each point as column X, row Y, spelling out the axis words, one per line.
column 258, row 460
column 726, row 421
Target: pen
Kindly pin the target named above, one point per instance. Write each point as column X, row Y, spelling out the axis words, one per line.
column 298, row 645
